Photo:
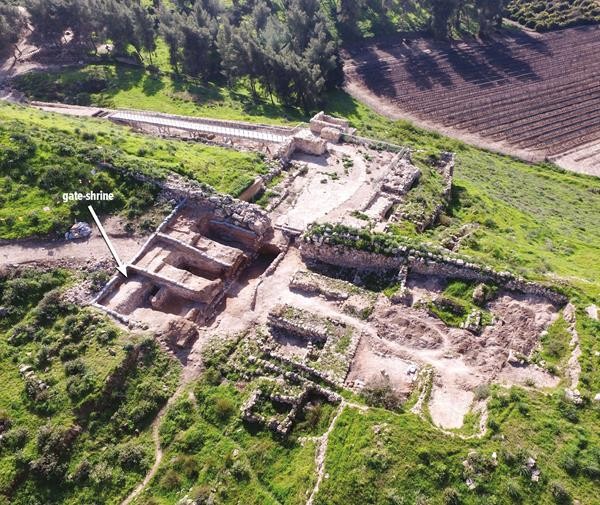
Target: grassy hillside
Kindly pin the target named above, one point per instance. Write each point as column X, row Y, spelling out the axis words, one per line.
column 377, row 456
column 67, row 436
column 44, row 155
column 543, row 15
column 125, row 87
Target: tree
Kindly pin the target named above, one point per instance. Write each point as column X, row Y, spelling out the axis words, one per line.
column 441, row 12
column 489, row 15
column 191, row 35
column 12, row 24
column 347, row 15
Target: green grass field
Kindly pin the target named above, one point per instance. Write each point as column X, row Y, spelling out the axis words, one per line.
column 211, row 453
column 72, row 440
column 45, row 155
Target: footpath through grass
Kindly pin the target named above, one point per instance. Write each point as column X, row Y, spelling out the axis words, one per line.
column 77, row 399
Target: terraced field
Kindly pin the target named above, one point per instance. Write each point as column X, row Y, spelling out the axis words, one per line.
column 536, row 96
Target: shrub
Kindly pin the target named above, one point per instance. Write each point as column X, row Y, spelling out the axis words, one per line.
column 560, row 494
column 482, row 391
column 591, row 469
column 69, row 352
column 190, row 441
column 201, row 494
column 224, row 408
column 79, row 386
column 75, row 367
column 42, row 358
column 569, row 464
column 378, row 392
column 82, row 471
column 14, row 439
column 212, row 376
column 493, row 425
column 186, row 465
column 170, row 480
column 50, row 307
column 513, row 491
column 240, row 470
column 451, row 496
column 131, row 455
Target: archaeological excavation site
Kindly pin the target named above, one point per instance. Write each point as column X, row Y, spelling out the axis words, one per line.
column 299, row 252
column 320, row 298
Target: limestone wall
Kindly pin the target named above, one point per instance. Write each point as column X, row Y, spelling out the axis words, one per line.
column 424, row 263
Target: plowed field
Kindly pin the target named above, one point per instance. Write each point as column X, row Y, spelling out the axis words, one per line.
column 536, row 96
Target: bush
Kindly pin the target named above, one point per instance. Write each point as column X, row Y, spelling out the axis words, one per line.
column 451, row 496
column 75, row 367
column 69, row 352
column 170, row 480
column 569, row 464
column 560, row 494
column 186, row 465
column 79, row 386
column 190, row 441
column 482, row 391
column 240, row 470
column 224, row 408
column 131, row 455
column 513, row 491
column 14, row 439
column 378, row 392
column 212, row 376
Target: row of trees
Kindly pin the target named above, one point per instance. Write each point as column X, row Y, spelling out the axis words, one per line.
column 291, row 53
column 445, row 13
column 287, row 49
column 126, row 23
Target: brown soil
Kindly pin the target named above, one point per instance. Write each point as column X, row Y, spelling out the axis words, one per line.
column 461, row 360
column 526, row 95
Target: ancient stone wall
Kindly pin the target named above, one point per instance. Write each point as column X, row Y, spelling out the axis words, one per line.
column 423, row 263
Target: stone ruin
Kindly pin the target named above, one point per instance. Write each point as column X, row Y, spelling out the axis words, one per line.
column 445, row 167
column 185, row 269
column 322, row 129
column 401, row 176
column 323, row 249
column 291, row 404
column 323, row 347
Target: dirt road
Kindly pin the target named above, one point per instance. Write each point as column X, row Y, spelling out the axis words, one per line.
column 93, row 249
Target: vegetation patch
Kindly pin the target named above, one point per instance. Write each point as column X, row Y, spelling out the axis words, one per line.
column 543, row 16
column 78, row 396
column 43, row 156
column 212, row 455
column 457, row 301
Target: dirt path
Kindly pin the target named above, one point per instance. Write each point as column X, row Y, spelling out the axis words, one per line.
column 323, row 442
column 33, row 251
column 158, row 452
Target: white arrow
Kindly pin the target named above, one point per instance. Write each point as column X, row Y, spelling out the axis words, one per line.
column 121, row 267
